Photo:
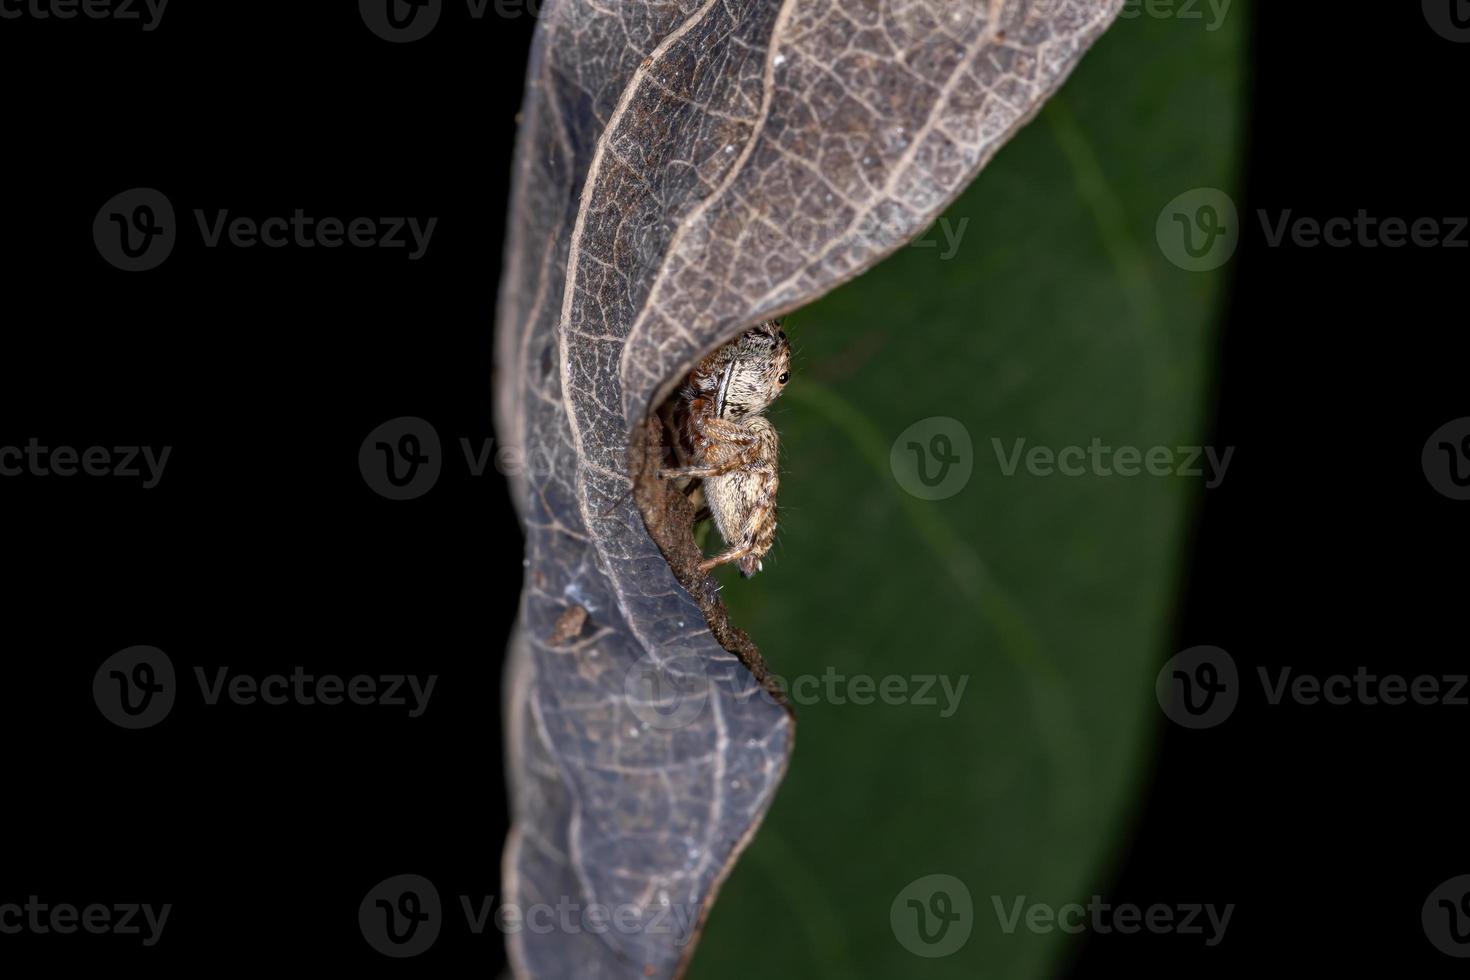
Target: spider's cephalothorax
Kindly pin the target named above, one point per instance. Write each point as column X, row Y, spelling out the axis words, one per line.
column 726, row 444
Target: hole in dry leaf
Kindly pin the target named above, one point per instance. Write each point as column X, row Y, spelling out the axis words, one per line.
column 709, row 452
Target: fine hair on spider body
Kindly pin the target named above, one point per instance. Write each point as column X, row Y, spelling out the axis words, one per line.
column 726, row 446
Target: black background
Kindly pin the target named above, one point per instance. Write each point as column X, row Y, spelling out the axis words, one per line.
column 263, row 547
column 1327, row 549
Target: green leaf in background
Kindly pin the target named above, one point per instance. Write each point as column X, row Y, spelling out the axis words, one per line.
column 1057, row 320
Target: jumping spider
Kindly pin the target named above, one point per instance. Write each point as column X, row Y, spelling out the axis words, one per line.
column 722, row 440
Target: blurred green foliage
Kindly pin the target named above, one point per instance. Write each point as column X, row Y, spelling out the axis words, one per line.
column 1057, row 320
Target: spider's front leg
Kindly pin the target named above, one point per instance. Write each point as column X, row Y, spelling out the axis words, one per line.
column 727, row 447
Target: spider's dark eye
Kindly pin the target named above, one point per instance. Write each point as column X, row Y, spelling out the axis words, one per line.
column 785, row 377
column 781, row 334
